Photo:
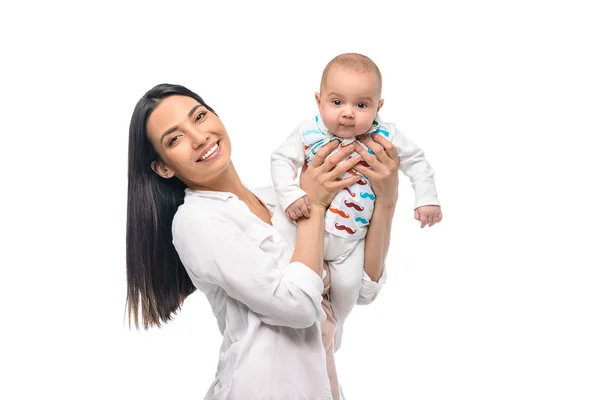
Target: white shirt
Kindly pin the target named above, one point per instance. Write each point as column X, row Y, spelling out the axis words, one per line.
column 268, row 309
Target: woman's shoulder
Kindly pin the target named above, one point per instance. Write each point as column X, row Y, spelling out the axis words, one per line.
column 202, row 210
column 265, row 193
column 213, row 214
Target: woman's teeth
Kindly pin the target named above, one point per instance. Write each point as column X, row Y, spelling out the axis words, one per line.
column 209, row 152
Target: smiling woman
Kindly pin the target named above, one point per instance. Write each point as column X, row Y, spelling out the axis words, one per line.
column 192, row 224
column 196, row 149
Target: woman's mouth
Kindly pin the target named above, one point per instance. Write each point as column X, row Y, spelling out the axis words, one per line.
column 210, row 153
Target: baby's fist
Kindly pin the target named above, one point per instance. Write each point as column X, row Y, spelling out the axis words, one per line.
column 298, row 209
column 428, row 215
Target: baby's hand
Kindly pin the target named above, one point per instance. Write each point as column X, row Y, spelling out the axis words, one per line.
column 428, row 215
column 298, row 209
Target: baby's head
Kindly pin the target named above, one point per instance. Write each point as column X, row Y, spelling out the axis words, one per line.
column 350, row 94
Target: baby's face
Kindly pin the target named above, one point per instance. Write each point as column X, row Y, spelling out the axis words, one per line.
column 349, row 101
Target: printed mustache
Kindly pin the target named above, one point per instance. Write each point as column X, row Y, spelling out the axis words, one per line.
column 364, row 163
column 312, row 132
column 350, row 204
column 338, row 212
column 352, row 171
column 344, row 228
column 383, row 132
column 351, row 194
column 361, row 182
column 317, row 146
column 367, row 195
column 359, row 219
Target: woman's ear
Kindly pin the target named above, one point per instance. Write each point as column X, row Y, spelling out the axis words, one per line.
column 161, row 169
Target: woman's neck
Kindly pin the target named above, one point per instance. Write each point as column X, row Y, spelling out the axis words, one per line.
column 228, row 181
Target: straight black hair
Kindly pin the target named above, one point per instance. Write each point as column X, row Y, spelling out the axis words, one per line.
column 157, row 282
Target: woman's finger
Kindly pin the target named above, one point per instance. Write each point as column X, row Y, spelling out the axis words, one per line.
column 323, row 152
column 388, row 147
column 339, row 185
column 380, row 152
column 368, row 172
column 344, row 166
column 335, row 159
column 374, row 148
column 370, row 159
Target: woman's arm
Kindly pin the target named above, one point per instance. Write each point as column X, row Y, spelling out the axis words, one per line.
column 320, row 182
column 248, row 265
column 377, row 241
column 383, row 175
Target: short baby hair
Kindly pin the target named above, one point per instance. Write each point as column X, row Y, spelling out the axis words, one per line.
column 355, row 62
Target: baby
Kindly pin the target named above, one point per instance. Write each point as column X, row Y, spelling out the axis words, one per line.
column 349, row 100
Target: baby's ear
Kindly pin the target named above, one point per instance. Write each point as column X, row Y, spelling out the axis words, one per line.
column 318, row 98
column 379, row 105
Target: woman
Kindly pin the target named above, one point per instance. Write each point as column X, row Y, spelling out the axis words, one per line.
column 191, row 223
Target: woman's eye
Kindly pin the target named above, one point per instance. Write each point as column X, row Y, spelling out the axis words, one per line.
column 362, row 105
column 200, row 116
column 173, row 140
column 337, row 103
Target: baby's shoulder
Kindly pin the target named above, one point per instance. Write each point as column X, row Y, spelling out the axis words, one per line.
column 385, row 128
column 307, row 124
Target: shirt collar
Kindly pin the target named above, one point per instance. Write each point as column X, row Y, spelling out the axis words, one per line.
column 209, row 194
column 224, row 196
column 374, row 126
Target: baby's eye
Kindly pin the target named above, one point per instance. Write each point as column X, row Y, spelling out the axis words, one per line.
column 337, row 103
column 362, row 105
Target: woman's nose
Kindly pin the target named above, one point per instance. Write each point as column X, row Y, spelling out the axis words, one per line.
column 198, row 139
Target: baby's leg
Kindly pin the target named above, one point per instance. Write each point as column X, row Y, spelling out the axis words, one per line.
column 346, row 272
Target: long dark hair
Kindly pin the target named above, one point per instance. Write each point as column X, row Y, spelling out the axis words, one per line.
column 157, row 282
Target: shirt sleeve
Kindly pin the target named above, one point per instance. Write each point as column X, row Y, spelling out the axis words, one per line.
column 279, row 292
column 286, row 160
column 416, row 167
column 369, row 290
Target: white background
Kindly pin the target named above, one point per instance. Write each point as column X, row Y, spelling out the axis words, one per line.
column 499, row 301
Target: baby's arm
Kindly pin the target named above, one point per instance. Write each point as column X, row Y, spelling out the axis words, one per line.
column 428, row 215
column 416, row 167
column 286, row 160
column 299, row 208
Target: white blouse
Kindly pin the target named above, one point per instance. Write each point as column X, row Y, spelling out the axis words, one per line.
column 268, row 309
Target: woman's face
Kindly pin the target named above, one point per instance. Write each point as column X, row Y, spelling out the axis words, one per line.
column 192, row 143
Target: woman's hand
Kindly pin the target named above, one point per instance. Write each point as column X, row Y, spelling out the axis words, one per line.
column 321, row 178
column 383, row 171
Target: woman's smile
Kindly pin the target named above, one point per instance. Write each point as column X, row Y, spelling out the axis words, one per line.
column 210, row 152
